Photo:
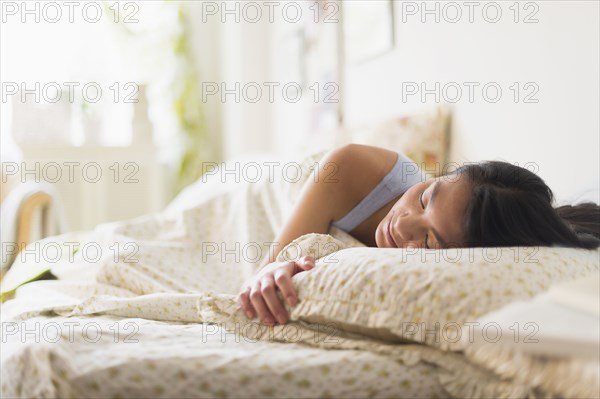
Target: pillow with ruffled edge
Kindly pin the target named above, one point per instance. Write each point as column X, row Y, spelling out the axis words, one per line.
column 420, row 295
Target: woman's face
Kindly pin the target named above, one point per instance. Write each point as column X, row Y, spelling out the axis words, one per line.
column 428, row 215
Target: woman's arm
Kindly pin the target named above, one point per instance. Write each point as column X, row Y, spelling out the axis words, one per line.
column 315, row 208
column 343, row 177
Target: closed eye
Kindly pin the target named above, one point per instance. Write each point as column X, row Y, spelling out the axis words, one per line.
column 423, row 206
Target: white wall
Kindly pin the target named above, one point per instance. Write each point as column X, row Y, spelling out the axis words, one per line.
column 560, row 54
column 227, row 53
column 252, row 53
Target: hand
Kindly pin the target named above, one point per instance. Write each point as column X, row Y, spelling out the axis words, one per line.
column 259, row 294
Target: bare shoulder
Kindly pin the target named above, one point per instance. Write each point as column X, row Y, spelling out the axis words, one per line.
column 359, row 168
column 361, row 156
column 362, row 163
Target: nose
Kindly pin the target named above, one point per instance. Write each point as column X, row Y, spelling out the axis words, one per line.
column 410, row 226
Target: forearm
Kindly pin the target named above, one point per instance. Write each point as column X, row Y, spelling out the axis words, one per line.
column 299, row 223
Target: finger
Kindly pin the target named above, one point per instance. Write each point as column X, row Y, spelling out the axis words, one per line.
column 309, row 261
column 306, row 263
column 283, row 280
column 256, row 297
column 244, row 300
column 269, row 294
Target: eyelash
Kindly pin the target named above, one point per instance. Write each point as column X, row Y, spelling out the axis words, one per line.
column 423, row 206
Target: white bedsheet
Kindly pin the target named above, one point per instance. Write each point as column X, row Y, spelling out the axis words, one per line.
column 106, row 356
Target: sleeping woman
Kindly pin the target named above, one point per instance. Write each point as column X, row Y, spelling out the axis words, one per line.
column 378, row 199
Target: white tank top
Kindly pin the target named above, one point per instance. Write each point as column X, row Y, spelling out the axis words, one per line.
column 403, row 176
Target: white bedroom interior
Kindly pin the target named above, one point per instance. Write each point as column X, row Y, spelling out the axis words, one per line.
column 189, row 86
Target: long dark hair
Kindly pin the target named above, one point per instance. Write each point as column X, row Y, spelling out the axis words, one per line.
column 512, row 206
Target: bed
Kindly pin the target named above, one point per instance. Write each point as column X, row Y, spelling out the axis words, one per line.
column 153, row 312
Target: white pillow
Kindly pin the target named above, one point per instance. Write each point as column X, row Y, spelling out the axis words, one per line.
column 422, row 295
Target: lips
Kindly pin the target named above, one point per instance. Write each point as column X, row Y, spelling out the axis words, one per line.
column 388, row 232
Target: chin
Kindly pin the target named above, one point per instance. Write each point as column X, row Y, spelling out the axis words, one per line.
column 379, row 241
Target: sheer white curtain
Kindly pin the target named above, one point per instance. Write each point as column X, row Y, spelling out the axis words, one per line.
column 112, row 47
column 41, row 56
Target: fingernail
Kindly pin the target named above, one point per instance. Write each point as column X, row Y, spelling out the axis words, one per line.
column 269, row 320
column 249, row 314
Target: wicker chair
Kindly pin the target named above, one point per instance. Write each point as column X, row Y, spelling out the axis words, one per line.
column 27, row 216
